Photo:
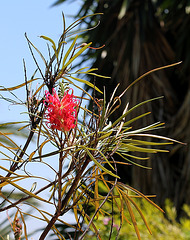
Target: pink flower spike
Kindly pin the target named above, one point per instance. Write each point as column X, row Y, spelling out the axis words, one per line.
column 61, row 114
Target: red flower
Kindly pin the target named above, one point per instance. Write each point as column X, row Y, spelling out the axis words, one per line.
column 61, row 114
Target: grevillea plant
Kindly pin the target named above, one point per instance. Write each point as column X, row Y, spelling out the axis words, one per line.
column 69, row 151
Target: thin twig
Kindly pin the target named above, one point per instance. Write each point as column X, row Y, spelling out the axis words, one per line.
column 105, row 199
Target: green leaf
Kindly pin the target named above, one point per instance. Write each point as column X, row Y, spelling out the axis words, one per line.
column 27, row 192
column 69, row 51
column 135, row 119
column 130, row 147
column 50, row 40
column 137, row 132
column 18, row 86
column 76, row 55
column 140, row 142
column 132, row 162
column 87, row 83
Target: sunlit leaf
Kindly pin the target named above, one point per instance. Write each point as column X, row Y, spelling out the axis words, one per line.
column 86, row 82
column 69, row 52
column 18, row 86
column 132, row 216
column 76, row 55
column 27, row 192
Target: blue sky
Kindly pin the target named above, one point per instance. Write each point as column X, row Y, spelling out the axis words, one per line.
column 35, row 18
